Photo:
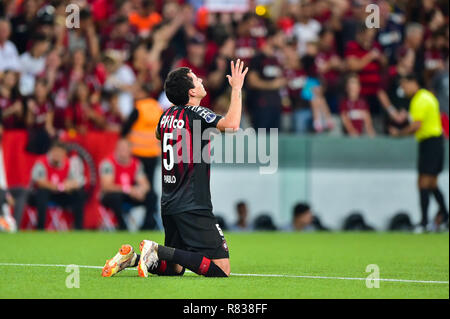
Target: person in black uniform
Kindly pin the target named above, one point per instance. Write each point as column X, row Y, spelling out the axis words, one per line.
column 193, row 238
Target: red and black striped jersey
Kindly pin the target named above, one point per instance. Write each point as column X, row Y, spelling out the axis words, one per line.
column 185, row 158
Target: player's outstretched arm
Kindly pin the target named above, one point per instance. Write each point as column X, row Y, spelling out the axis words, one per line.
column 232, row 119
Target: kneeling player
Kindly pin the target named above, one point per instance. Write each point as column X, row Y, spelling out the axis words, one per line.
column 193, row 239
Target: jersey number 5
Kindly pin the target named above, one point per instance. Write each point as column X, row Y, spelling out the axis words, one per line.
column 168, row 162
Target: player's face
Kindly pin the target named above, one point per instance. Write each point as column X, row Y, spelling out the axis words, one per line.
column 199, row 89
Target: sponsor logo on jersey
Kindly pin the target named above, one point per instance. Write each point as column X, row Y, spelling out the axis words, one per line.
column 171, row 122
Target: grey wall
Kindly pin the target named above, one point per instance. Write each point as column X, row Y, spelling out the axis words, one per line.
column 336, row 175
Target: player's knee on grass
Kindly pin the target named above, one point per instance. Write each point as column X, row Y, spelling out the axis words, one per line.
column 224, row 265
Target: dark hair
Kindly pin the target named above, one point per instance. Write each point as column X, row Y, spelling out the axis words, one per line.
column 300, row 209
column 240, row 204
column 39, row 37
column 272, row 30
column 85, row 14
column 361, row 28
column 177, row 86
column 410, row 77
column 58, row 144
column 350, row 76
column 108, row 95
column 324, row 31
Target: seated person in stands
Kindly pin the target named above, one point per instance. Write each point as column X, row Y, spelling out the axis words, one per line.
column 56, row 178
column 123, row 181
column 242, row 223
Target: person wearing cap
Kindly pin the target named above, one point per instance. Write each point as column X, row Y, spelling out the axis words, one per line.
column 425, row 124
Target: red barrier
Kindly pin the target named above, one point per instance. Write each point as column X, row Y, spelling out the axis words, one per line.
column 18, row 162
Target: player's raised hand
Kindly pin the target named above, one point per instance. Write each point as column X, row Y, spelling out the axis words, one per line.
column 236, row 79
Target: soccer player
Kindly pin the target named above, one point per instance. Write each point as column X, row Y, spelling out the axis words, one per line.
column 193, row 239
column 425, row 124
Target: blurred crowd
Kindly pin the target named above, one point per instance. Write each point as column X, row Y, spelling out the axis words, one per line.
column 315, row 66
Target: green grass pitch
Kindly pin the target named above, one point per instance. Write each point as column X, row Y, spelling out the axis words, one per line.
column 346, row 255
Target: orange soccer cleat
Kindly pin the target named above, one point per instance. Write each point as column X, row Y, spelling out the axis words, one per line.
column 126, row 257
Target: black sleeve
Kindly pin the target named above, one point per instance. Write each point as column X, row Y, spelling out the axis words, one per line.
column 126, row 127
column 207, row 117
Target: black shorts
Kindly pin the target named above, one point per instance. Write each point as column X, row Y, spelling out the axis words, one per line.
column 431, row 156
column 196, row 231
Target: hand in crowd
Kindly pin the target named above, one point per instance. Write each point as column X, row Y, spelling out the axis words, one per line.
column 137, row 193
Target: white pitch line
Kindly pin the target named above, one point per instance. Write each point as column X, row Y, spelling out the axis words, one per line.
column 253, row 275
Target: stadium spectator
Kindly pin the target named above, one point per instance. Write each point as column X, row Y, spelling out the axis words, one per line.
column 364, row 57
column 123, row 183
column 264, row 222
column 246, row 44
column 436, row 51
column 9, row 56
column 296, row 79
column 24, row 25
column 355, row 113
column 33, row 63
column 145, row 18
column 242, row 223
column 265, row 79
column 146, row 69
column 10, row 101
column 84, row 37
column 304, row 220
column 390, row 34
column 120, row 76
column 329, row 67
column 440, row 86
column 414, row 37
column 195, row 60
column 110, row 106
column 82, row 115
column 306, row 28
column 399, row 100
column 302, row 217
column 56, row 178
column 120, row 38
column 217, row 76
column 313, row 91
column 65, row 81
column 39, row 119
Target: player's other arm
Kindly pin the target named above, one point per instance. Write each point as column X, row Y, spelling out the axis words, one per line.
column 232, row 119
